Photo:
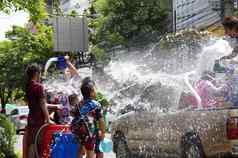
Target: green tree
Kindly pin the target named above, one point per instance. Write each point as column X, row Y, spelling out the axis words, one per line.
column 117, row 22
column 36, row 8
column 7, row 138
column 23, row 47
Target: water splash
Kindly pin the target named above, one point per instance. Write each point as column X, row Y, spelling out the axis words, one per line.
column 159, row 81
column 60, row 84
column 48, row 64
column 211, row 53
column 150, row 78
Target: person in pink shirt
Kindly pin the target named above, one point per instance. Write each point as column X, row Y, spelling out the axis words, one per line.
column 207, row 90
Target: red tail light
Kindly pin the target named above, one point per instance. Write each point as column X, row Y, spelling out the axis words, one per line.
column 23, row 117
column 232, row 128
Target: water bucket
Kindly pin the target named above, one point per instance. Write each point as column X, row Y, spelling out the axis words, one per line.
column 61, row 63
column 65, row 145
column 106, row 145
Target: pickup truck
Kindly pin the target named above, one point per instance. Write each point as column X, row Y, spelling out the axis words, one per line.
column 185, row 133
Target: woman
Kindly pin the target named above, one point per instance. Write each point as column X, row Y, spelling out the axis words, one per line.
column 38, row 113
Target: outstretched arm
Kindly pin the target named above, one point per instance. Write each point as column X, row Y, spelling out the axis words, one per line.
column 71, row 67
column 232, row 55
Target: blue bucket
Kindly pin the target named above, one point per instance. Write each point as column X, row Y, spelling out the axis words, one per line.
column 61, row 64
column 106, row 145
column 65, row 145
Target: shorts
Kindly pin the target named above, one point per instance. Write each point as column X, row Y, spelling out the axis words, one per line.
column 93, row 144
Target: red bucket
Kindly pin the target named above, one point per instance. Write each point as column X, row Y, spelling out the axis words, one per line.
column 45, row 138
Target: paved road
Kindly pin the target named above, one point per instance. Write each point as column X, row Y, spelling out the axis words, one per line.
column 19, row 147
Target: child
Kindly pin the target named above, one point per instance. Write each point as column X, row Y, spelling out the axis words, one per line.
column 207, row 90
column 90, row 112
column 74, row 105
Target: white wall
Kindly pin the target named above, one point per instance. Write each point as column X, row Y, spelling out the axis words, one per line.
column 194, row 13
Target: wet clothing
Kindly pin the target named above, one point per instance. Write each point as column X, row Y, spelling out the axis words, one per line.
column 206, row 90
column 231, row 91
column 234, row 44
column 90, row 113
column 34, row 94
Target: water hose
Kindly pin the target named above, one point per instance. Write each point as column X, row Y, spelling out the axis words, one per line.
column 198, row 98
column 37, row 137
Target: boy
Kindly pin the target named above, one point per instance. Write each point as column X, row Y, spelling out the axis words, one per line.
column 90, row 111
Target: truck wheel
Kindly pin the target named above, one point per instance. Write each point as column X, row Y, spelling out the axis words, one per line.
column 122, row 150
column 192, row 147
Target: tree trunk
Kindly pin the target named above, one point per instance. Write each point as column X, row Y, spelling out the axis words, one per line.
column 2, row 96
column 4, row 99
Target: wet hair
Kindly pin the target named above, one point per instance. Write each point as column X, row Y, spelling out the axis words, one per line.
column 31, row 70
column 86, row 89
column 230, row 22
column 88, row 80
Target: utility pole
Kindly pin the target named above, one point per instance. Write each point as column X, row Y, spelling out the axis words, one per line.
column 227, row 7
column 222, row 9
column 174, row 15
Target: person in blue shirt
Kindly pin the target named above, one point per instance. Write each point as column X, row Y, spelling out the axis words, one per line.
column 90, row 112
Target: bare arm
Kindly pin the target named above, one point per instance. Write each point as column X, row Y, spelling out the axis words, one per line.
column 54, row 106
column 71, row 67
column 232, row 55
column 102, row 128
column 45, row 110
column 214, row 88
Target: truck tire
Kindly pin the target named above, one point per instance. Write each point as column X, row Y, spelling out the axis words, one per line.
column 122, row 150
column 192, row 147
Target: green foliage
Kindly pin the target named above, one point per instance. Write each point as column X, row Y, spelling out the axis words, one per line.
column 23, row 47
column 36, row 8
column 73, row 13
column 102, row 100
column 7, row 137
column 116, row 22
column 99, row 54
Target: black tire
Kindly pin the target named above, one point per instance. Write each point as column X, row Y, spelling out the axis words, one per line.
column 122, row 150
column 120, row 146
column 192, row 147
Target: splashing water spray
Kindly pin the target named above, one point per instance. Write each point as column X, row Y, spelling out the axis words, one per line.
column 151, row 82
